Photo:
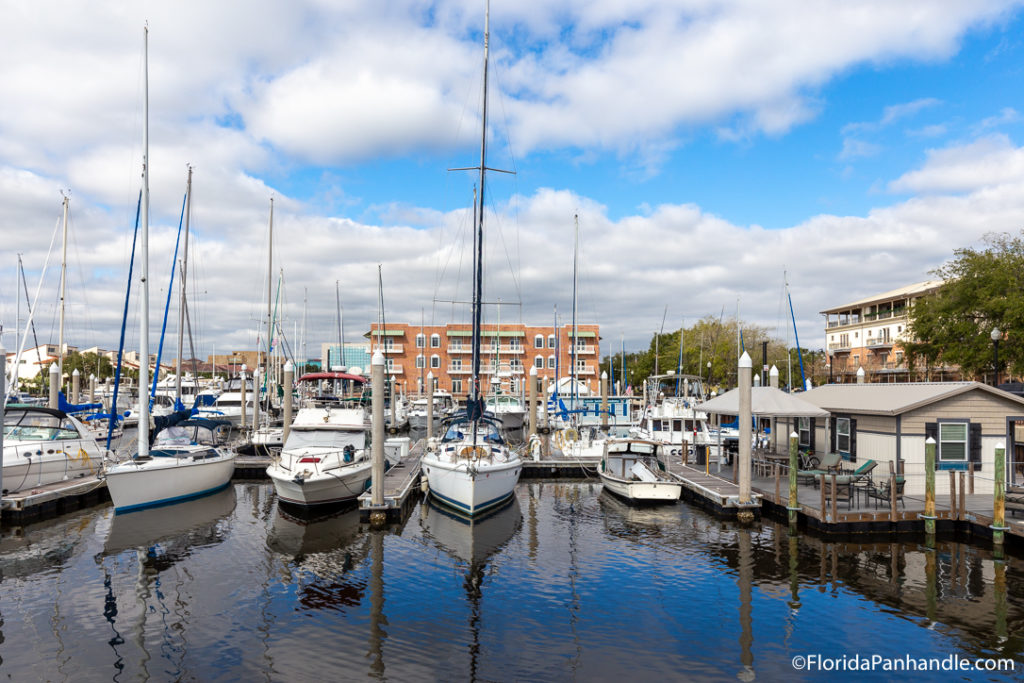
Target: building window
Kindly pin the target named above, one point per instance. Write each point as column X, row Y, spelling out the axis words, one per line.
column 952, row 447
column 803, row 429
column 538, row 362
column 421, row 341
column 435, row 361
column 456, row 363
column 435, row 341
column 538, row 341
column 516, row 364
column 843, row 435
column 551, row 341
column 456, row 386
column 421, row 362
column 551, row 362
column 515, row 343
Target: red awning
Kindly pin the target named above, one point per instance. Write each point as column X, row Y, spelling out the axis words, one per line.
column 316, row 376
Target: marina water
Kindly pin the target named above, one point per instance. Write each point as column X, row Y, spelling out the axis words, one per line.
column 565, row 583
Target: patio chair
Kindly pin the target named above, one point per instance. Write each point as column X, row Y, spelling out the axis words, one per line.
column 1014, row 501
column 827, row 464
column 850, row 483
column 883, row 492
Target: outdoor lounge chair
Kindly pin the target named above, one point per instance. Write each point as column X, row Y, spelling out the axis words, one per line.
column 829, row 463
column 1014, row 499
column 846, row 484
column 882, row 492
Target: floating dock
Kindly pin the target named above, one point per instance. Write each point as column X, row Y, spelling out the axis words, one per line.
column 401, row 488
column 712, row 492
column 40, row 502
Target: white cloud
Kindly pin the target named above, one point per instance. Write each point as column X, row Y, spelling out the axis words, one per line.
column 988, row 161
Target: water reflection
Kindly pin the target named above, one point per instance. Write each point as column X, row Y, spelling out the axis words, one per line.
column 322, row 548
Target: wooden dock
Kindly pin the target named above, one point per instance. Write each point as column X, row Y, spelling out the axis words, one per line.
column 401, row 488
column 713, row 492
column 40, row 502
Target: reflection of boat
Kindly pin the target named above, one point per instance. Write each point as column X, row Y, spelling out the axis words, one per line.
column 631, row 469
column 43, row 547
column 325, row 460
column 191, row 524
column 297, row 533
column 645, row 517
column 471, row 539
column 44, row 446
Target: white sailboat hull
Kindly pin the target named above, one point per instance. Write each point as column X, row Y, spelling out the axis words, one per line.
column 161, row 480
column 471, row 490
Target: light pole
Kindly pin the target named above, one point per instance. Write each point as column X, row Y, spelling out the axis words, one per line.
column 995, row 336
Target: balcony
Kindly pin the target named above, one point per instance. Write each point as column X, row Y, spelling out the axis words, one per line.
column 585, row 370
column 458, row 370
column 394, row 369
column 459, row 348
column 878, row 343
column 386, row 349
column 586, row 350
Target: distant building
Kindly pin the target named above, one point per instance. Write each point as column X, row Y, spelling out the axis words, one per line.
column 870, row 333
column 508, row 353
column 356, row 356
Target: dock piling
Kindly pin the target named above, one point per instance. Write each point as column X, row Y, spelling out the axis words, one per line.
column 245, row 408
column 378, row 516
column 745, row 372
column 531, row 402
column 604, row 402
column 3, row 403
column 76, row 385
column 289, row 380
column 929, row 490
column 999, row 497
column 793, row 502
column 54, row 386
column 953, row 514
column 430, row 406
column 892, row 493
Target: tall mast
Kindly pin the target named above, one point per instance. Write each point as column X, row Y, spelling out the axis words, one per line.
column 576, row 331
column 478, row 235
column 63, row 289
column 181, row 302
column 341, row 341
column 270, row 320
column 305, row 302
column 144, row 264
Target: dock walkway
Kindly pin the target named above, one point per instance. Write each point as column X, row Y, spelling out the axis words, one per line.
column 710, row 490
column 401, row 486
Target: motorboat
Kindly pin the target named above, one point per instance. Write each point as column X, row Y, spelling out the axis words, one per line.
column 632, row 469
column 443, row 407
column 187, row 459
column 44, row 446
column 326, row 458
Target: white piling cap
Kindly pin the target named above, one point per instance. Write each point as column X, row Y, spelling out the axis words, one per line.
column 774, row 372
column 430, row 375
column 930, row 440
column 860, row 372
column 76, row 373
column 1001, row 446
column 745, row 361
column 794, row 435
column 378, row 358
column 53, row 369
column 393, row 380
column 244, row 367
column 604, row 374
column 533, row 371
column 288, row 367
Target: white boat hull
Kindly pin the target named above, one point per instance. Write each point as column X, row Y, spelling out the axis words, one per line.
column 335, row 485
column 162, row 480
column 471, row 491
column 643, row 491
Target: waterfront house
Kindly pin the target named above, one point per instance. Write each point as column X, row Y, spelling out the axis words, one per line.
column 890, row 422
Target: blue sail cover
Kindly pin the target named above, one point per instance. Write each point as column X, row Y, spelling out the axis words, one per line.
column 72, row 409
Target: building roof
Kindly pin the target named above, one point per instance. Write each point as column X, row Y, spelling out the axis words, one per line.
column 902, row 293
column 765, row 402
column 893, row 399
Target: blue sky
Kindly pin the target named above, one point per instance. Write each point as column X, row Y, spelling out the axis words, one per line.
column 707, row 145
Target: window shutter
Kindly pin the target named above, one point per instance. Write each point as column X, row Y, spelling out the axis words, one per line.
column 975, row 445
column 853, row 440
column 813, row 434
column 931, row 431
column 831, row 435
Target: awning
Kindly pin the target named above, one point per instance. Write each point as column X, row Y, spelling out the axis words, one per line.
column 764, row 402
column 584, row 333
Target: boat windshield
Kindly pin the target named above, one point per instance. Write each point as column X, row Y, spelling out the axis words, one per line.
column 460, row 429
column 29, row 426
column 503, row 401
column 325, row 438
column 636, row 447
column 183, row 435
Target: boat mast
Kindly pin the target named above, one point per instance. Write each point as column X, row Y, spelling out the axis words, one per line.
column 478, row 235
column 63, row 289
column 143, row 427
column 270, row 320
column 575, row 330
column 341, row 342
column 181, row 301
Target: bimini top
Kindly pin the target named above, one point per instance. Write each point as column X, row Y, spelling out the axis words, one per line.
column 317, row 376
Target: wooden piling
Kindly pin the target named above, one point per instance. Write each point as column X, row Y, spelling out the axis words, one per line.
column 430, row 406
column 999, row 497
column 3, row 401
column 929, row 488
column 834, row 497
column 377, row 437
column 822, row 482
column 970, row 478
column 952, row 495
column 892, row 492
column 793, row 503
column 745, row 371
column 394, row 404
column 963, row 502
column 604, row 404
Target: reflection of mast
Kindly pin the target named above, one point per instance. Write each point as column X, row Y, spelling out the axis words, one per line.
column 745, row 577
column 377, row 618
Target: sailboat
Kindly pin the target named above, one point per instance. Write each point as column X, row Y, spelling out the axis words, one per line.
column 472, row 469
column 188, row 459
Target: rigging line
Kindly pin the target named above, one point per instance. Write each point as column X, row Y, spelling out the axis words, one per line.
column 28, row 302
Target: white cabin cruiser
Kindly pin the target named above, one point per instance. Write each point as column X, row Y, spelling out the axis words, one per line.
column 43, row 446
column 631, row 469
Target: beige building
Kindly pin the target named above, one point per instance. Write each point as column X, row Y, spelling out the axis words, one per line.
column 869, row 334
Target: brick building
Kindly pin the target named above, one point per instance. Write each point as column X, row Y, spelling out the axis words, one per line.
column 508, row 352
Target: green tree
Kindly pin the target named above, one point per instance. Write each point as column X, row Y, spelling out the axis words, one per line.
column 983, row 289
